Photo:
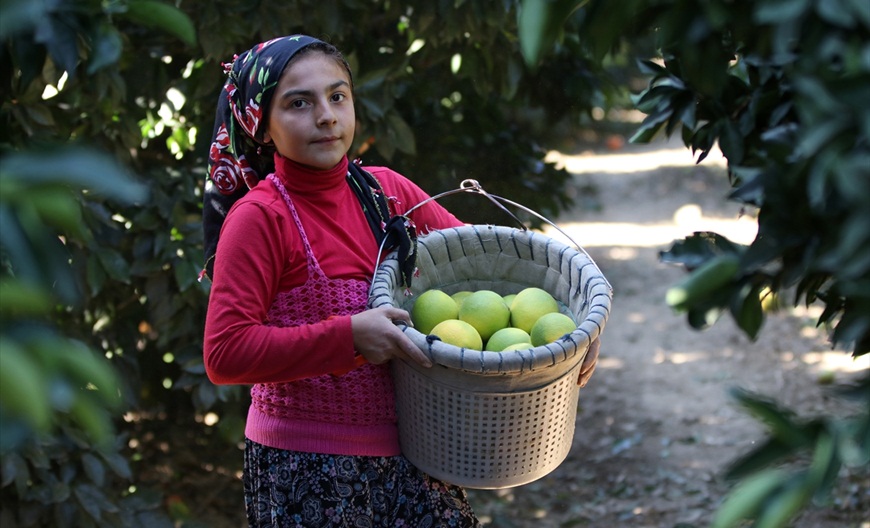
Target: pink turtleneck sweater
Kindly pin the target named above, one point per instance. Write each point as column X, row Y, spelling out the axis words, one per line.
column 261, row 255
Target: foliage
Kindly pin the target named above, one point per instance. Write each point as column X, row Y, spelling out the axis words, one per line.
column 106, row 116
column 782, row 88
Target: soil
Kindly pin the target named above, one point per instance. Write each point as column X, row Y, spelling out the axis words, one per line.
column 655, row 428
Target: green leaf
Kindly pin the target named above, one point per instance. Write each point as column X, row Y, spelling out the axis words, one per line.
column 648, row 67
column 778, row 420
column 785, row 502
column 23, row 386
column 695, row 250
column 60, row 39
column 114, row 264
column 769, row 452
column 539, row 25
column 18, row 299
column 118, row 464
column 780, row 11
column 861, row 9
column 746, row 499
column 80, row 168
column 152, row 13
column 94, row 469
column 731, row 142
column 106, row 50
column 747, row 311
column 401, row 133
column 836, row 12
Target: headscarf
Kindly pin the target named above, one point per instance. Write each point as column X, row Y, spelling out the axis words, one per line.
column 238, row 157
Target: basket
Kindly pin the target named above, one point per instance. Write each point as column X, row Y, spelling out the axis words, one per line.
column 483, row 419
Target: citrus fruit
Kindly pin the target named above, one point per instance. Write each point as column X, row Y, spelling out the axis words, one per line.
column 486, row 311
column 460, row 296
column 519, row 346
column 551, row 327
column 505, row 337
column 529, row 305
column 509, row 298
column 430, row 308
column 458, row 333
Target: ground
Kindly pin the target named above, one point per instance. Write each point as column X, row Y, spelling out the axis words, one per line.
column 655, row 428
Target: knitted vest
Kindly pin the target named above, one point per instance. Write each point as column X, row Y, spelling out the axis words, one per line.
column 352, row 413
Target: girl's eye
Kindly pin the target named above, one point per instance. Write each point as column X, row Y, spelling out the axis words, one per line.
column 338, row 97
column 298, row 103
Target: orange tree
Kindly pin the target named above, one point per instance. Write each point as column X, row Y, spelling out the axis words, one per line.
column 106, row 116
column 782, row 87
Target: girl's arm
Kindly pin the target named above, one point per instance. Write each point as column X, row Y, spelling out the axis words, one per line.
column 239, row 347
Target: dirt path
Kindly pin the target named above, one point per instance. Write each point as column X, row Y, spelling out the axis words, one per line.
column 656, row 427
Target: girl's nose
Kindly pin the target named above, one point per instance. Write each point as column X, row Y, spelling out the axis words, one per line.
column 326, row 115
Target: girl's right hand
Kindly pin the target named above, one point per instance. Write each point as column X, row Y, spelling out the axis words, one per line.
column 377, row 338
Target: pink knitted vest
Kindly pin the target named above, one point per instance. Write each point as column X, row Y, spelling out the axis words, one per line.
column 350, row 414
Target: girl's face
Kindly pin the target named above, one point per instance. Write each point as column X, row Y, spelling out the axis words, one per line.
column 311, row 118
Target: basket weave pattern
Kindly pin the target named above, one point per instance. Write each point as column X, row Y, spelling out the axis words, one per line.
column 484, row 419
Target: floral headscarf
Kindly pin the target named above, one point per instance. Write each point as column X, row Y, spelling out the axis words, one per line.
column 238, row 157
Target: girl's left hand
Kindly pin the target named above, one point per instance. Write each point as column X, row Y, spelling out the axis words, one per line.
column 588, row 366
column 377, row 338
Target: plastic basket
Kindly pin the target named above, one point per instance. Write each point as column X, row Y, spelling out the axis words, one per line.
column 484, row 419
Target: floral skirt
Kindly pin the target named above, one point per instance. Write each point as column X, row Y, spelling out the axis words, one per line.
column 293, row 489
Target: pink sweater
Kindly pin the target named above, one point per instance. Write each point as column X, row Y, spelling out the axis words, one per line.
column 310, row 393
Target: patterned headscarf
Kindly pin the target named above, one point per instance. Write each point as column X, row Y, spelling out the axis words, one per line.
column 238, row 157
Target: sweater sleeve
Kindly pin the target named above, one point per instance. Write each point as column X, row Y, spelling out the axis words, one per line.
column 239, row 348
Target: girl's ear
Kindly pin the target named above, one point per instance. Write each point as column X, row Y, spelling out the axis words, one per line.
column 267, row 138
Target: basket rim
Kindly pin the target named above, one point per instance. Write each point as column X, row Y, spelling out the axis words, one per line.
column 572, row 346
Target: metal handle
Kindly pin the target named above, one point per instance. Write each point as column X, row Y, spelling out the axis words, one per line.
column 473, row 186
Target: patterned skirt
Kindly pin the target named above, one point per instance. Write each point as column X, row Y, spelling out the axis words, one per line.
column 292, row 489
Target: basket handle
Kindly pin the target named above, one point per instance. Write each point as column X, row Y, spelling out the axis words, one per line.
column 473, row 186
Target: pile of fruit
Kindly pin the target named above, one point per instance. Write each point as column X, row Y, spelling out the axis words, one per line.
column 485, row 320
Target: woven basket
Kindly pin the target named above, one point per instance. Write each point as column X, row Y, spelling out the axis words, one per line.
column 483, row 419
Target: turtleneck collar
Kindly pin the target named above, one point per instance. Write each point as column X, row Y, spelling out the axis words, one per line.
column 301, row 179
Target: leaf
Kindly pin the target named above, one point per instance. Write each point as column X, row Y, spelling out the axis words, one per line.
column 152, row 13
column 746, row 499
column 114, row 264
column 784, row 503
column 22, row 300
column 695, row 250
column 747, row 311
column 771, row 451
column 78, row 167
column 205, row 395
column 93, row 501
column 731, row 142
column 648, row 67
column 778, row 420
column 106, row 50
column 401, row 134
column 861, row 9
column 539, row 24
column 118, row 464
column 780, row 11
column 836, row 12
column 94, row 469
column 23, row 387
column 61, row 41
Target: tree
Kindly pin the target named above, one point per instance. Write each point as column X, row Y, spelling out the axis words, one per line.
column 781, row 87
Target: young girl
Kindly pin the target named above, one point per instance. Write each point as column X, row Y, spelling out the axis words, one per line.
column 290, row 278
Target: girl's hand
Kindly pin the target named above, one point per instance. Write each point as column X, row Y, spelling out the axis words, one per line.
column 378, row 339
column 588, row 366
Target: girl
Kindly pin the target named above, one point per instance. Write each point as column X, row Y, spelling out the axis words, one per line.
column 298, row 245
